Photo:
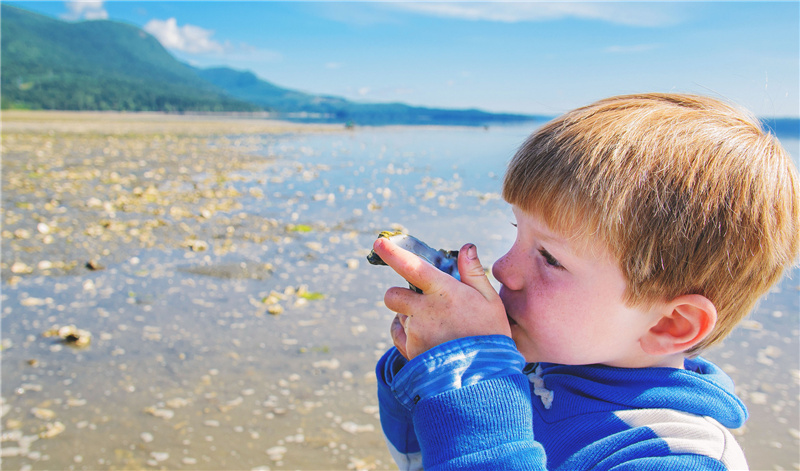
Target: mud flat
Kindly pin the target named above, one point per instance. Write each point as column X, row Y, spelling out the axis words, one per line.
column 213, row 268
column 205, row 348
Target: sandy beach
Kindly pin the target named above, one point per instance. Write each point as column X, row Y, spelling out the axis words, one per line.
column 217, row 266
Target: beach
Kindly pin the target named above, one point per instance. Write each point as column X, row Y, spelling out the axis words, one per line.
column 216, row 265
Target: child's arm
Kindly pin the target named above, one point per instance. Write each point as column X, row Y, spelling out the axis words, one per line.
column 447, row 309
column 396, row 419
column 462, row 401
column 462, row 405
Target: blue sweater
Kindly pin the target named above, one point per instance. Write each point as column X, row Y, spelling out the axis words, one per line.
column 473, row 404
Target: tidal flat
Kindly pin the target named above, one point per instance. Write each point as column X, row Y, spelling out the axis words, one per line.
column 217, row 264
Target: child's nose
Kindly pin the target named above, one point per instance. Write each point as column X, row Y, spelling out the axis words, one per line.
column 503, row 271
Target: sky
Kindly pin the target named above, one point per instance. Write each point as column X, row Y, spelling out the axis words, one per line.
column 521, row 57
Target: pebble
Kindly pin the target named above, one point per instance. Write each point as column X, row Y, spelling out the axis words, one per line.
column 22, row 234
column 159, row 456
column 53, row 429
column 71, row 335
column 32, row 302
column 196, row 245
column 20, row 268
column 162, row 413
column 44, row 414
column 352, row 427
column 327, row 364
column 276, row 452
column 177, row 403
column 94, row 265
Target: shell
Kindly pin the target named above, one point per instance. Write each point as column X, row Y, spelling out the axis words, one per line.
column 71, row 335
column 444, row 260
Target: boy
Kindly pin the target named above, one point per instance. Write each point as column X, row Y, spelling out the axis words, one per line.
column 647, row 227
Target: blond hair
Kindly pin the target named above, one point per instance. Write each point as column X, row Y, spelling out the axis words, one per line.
column 689, row 194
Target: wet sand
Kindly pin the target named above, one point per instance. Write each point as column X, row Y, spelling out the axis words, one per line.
column 218, row 264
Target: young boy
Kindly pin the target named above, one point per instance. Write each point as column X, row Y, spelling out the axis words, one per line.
column 647, row 228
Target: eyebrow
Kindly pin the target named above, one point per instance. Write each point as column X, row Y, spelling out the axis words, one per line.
column 550, row 237
column 545, row 234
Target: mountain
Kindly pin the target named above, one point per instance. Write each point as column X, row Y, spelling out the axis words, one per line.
column 247, row 86
column 97, row 65
column 107, row 65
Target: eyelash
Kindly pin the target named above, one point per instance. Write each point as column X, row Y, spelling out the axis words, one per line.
column 550, row 259
column 547, row 256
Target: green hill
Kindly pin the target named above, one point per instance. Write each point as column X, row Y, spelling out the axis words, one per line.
column 107, row 65
column 97, row 65
column 248, row 87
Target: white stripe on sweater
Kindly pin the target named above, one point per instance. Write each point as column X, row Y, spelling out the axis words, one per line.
column 689, row 433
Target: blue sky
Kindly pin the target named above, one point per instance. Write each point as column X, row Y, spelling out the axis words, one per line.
column 526, row 57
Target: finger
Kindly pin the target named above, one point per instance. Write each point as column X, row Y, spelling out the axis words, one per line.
column 401, row 300
column 472, row 273
column 414, row 269
column 399, row 334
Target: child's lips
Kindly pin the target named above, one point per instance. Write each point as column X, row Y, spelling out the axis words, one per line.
column 510, row 319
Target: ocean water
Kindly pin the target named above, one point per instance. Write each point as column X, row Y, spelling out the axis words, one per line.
column 192, row 365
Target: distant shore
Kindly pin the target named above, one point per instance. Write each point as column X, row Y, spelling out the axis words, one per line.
column 114, row 122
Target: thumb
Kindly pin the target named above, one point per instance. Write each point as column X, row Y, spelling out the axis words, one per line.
column 472, row 273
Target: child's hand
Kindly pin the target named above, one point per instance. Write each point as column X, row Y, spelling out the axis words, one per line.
column 448, row 309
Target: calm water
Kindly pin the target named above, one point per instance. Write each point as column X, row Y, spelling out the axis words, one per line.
column 189, row 370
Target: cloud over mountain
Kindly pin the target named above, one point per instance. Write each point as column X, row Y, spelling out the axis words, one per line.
column 186, row 38
column 85, row 10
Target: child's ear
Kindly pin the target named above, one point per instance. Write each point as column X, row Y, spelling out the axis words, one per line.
column 684, row 322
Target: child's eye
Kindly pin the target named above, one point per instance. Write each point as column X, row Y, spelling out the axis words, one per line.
column 514, row 224
column 550, row 259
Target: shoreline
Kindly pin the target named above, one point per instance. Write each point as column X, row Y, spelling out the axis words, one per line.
column 209, row 123
column 120, row 123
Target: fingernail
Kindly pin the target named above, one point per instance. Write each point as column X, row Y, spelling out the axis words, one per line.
column 472, row 253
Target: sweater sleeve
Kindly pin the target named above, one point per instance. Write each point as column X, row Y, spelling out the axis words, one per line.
column 396, row 421
column 469, row 406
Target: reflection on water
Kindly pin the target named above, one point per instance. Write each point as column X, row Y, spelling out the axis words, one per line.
column 253, row 345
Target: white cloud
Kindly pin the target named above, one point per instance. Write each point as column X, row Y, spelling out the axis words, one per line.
column 186, row 38
column 85, row 10
column 198, row 41
column 634, row 14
